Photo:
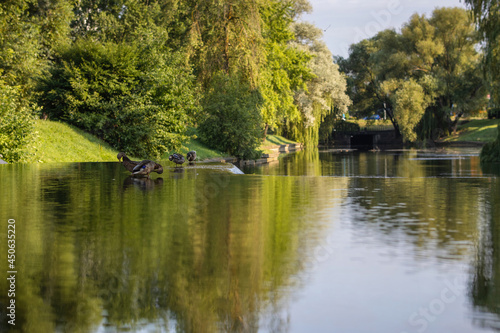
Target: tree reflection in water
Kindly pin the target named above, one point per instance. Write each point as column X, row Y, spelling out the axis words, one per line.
column 204, row 250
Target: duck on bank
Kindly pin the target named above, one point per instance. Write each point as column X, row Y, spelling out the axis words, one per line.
column 191, row 156
column 178, row 159
column 142, row 168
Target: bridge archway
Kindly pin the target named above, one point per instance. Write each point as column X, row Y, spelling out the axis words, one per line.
column 363, row 141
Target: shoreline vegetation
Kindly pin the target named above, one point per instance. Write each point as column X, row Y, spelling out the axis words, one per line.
column 152, row 84
column 61, row 142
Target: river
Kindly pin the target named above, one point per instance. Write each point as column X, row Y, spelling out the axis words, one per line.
column 321, row 241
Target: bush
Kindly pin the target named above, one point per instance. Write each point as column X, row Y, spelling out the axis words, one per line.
column 135, row 97
column 232, row 120
column 17, row 131
column 491, row 151
column 494, row 113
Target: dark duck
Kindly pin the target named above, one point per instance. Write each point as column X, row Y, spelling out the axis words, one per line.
column 127, row 162
column 177, row 159
column 145, row 167
column 191, row 156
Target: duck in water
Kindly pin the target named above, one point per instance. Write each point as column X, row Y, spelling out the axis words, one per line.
column 191, row 156
column 145, row 167
column 127, row 162
column 178, row 159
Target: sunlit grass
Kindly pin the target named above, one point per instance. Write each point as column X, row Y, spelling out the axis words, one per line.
column 60, row 142
column 203, row 152
column 481, row 130
column 276, row 140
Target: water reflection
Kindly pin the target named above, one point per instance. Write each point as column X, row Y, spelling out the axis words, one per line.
column 397, row 163
column 485, row 282
column 144, row 184
column 207, row 250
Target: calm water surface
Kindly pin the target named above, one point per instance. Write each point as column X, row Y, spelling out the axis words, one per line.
column 402, row 241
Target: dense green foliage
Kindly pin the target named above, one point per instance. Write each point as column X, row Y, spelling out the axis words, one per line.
column 17, row 133
column 487, row 16
column 129, row 96
column 232, row 117
column 491, row 151
column 322, row 95
column 134, row 72
column 24, row 32
column 425, row 77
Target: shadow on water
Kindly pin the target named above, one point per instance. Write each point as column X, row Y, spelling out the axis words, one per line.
column 206, row 249
column 143, row 184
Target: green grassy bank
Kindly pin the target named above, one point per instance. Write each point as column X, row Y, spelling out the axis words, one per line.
column 60, row 142
column 477, row 130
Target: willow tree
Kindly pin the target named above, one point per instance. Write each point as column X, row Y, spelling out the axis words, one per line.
column 324, row 93
column 285, row 67
column 365, row 77
column 225, row 36
column 486, row 14
column 438, row 53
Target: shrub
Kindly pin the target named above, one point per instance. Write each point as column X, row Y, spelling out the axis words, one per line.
column 134, row 97
column 491, row 151
column 494, row 113
column 17, row 132
column 232, row 122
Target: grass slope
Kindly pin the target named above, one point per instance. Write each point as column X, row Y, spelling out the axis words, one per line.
column 272, row 140
column 479, row 130
column 60, row 142
column 202, row 151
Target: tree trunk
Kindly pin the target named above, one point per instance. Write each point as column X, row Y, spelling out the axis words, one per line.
column 454, row 124
column 265, row 132
column 394, row 123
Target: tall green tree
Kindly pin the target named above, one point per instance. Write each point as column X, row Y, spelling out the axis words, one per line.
column 325, row 92
column 486, row 14
column 19, row 46
column 438, row 53
column 285, row 69
column 133, row 97
column 17, row 133
column 21, row 64
column 365, row 77
column 232, row 120
column 225, row 35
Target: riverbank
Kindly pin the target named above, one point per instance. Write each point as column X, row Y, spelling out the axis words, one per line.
column 473, row 132
column 60, row 142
